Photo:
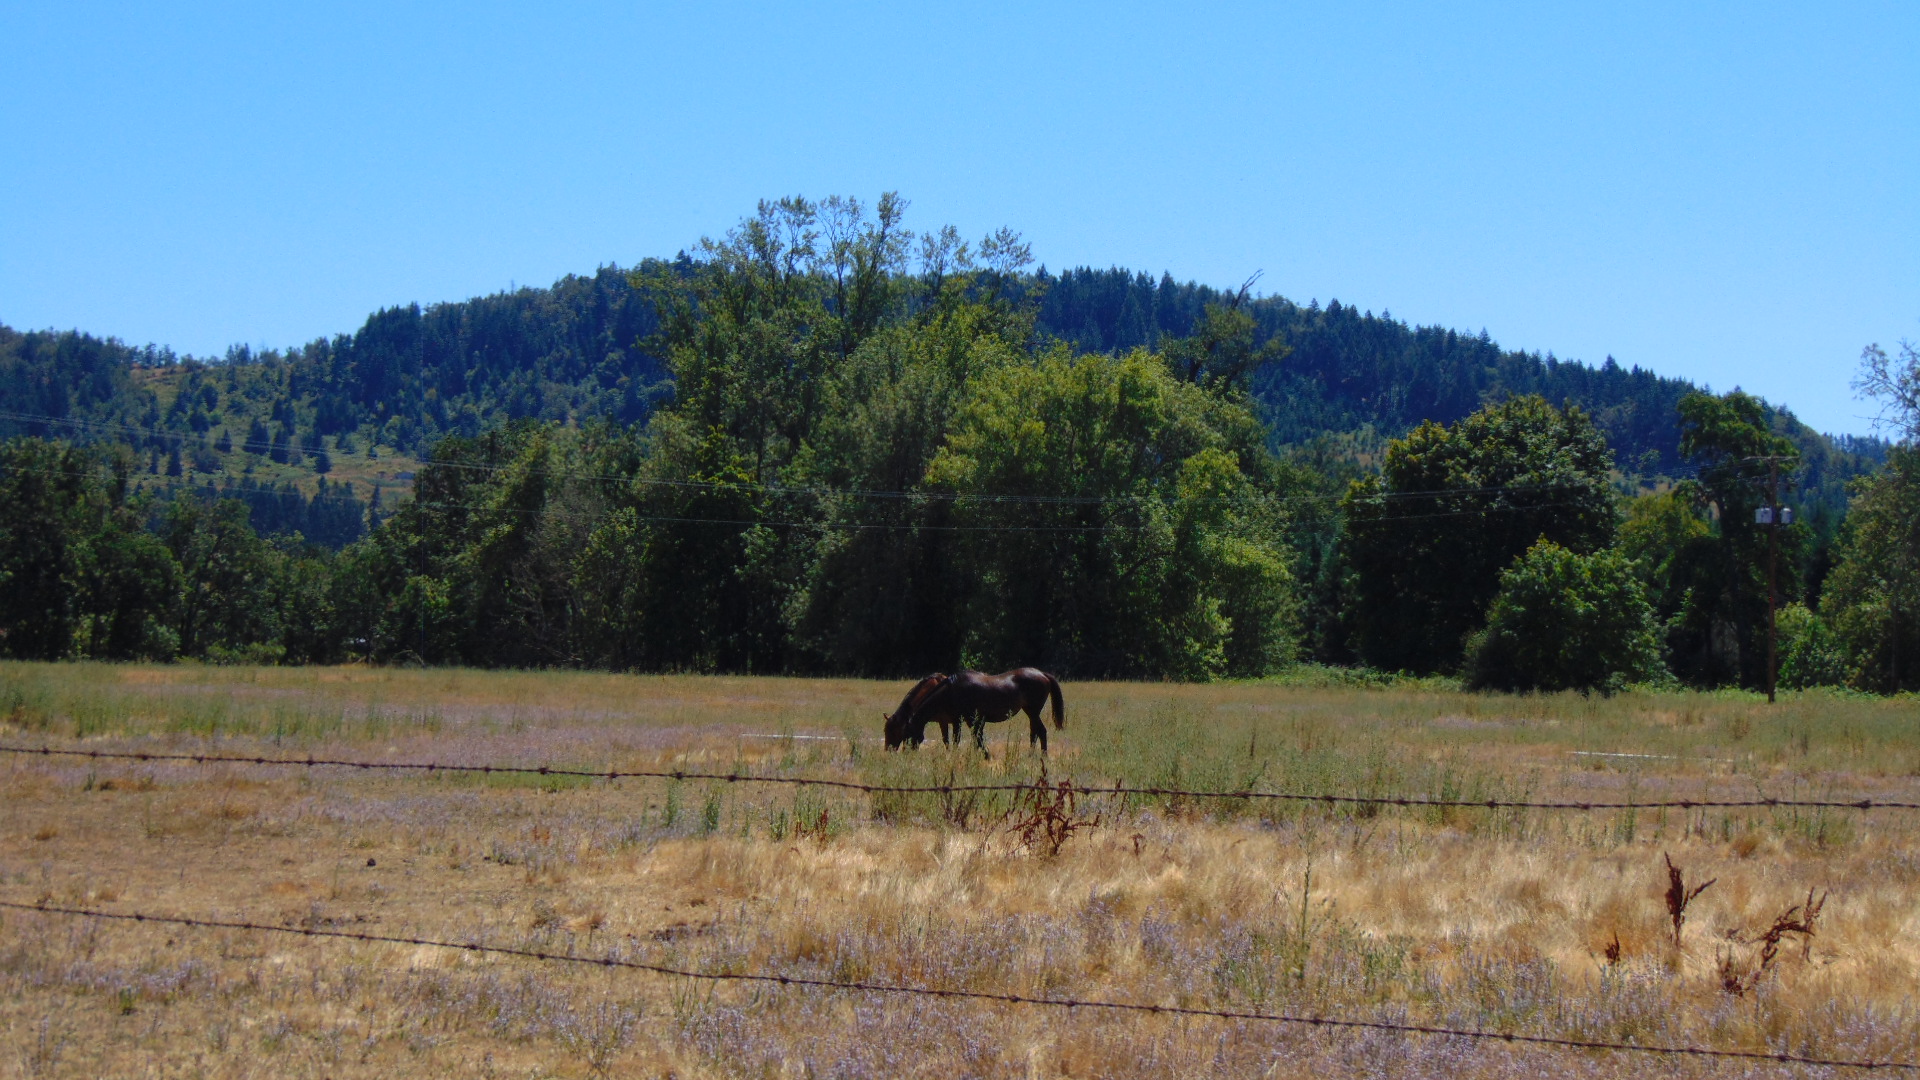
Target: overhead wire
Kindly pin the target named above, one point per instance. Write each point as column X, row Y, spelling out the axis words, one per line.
column 872, row 493
column 834, row 525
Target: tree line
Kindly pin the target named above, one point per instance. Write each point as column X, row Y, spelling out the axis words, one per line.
column 589, row 348
column 871, row 460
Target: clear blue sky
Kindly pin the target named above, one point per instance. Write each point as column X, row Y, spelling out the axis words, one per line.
column 1729, row 192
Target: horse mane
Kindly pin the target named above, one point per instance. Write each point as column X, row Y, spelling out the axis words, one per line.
column 918, row 696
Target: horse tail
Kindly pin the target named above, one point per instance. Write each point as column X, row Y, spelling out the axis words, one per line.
column 1059, row 706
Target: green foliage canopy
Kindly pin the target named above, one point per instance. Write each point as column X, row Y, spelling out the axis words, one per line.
column 1453, row 506
column 1873, row 598
column 1714, row 599
column 1566, row 621
column 1110, row 527
column 820, row 442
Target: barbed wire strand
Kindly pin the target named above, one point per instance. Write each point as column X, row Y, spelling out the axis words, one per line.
column 1116, row 789
column 1549, row 1041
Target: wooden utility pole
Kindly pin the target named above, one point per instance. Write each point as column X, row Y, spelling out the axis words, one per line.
column 1773, row 573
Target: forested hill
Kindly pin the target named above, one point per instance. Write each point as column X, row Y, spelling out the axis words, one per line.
column 1348, row 369
column 405, row 378
column 411, row 376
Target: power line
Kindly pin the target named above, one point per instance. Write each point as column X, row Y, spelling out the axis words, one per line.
column 865, row 493
column 848, row 526
column 950, row 496
column 844, row 526
column 1546, row 1041
column 1115, row 789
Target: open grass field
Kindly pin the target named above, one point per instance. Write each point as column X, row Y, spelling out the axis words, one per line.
column 1537, row 922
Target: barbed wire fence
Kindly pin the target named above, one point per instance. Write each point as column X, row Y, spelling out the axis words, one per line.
column 952, row 993
column 610, row 961
column 1038, row 785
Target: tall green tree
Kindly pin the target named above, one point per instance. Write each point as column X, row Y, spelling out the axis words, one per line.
column 79, row 575
column 883, row 592
column 1226, row 346
column 1873, row 597
column 809, row 358
column 227, row 578
column 1452, row 507
column 1113, row 523
column 754, row 332
column 47, row 490
column 1717, row 623
column 1565, row 621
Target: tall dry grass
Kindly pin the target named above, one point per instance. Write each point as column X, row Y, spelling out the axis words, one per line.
column 1533, row 922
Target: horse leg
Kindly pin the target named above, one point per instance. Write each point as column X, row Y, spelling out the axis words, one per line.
column 978, row 721
column 1036, row 729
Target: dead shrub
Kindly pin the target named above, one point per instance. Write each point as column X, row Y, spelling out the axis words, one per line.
column 1679, row 896
column 1798, row 919
column 1045, row 817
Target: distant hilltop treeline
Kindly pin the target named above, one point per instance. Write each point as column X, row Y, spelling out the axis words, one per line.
column 584, row 349
column 824, row 445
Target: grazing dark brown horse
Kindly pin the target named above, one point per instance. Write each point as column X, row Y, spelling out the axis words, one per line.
column 980, row 700
column 896, row 725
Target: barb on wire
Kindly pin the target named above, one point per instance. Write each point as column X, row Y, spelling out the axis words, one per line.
column 1115, row 788
column 975, row 995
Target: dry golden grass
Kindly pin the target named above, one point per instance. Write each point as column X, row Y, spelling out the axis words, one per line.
column 1537, row 922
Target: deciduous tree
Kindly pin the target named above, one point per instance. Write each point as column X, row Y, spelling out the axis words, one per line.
column 1454, row 506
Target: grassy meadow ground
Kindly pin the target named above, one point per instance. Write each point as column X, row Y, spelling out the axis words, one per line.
column 1539, row 922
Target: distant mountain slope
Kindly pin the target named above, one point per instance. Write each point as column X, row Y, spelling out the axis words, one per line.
column 410, row 376
column 1350, row 370
column 407, row 376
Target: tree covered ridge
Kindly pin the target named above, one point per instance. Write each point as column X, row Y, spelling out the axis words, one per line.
column 865, row 452
column 588, row 347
